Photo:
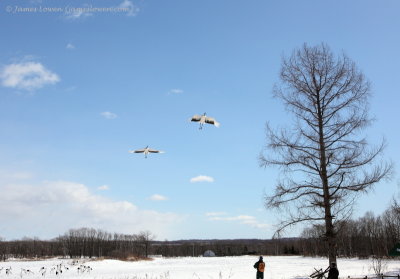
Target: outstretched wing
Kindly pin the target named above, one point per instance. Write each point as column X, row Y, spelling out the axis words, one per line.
column 155, row 151
column 212, row 121
column 137, row 151
column 195, row 118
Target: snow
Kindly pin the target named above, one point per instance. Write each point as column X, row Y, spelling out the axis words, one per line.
column 279, row 267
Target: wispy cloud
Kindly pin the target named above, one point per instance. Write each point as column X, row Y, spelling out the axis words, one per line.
column 175, row 91
column 213, row 214
column 202, row 178
column 61, row 205
column 15, row 175
column 242, row 219
column 132, row 10
column 108, row 115
column 70, row 89
column 70, row 46
column 103, row 188
column 157, row 197
column 27, row 76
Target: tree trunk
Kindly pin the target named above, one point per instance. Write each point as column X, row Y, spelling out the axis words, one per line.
column 329, row 230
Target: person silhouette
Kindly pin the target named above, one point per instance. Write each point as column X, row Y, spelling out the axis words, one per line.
column 260, row 266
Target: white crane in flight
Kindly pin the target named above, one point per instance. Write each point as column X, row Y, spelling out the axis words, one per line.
column 146, row 151
column 204, row 119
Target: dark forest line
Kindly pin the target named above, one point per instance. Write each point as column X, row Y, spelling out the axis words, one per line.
column 367, row 236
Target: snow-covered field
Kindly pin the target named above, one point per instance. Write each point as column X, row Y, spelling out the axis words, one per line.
column 189, row 268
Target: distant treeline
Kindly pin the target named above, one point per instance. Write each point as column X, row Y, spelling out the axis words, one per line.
column 77, row 243
column 368, row 236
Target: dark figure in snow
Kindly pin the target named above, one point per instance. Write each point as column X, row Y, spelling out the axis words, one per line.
column 260, row 266
column 333, row 272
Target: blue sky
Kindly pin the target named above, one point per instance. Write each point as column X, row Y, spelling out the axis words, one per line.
column 81, row 88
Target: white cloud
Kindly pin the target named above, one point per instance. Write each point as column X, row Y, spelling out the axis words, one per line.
column 27, row 76
column 157, row 197
column 175, row 91
column 103, row 188
column 131, row 9
column 70, row 46
column 51, row 208
column 215, row 214
column 202, row 178
column 108, row 115
column 242, row 219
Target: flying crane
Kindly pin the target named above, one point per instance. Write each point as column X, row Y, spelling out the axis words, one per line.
column 146, row 151
column 202, row 119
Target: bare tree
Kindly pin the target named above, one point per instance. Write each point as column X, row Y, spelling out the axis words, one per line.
column 325, row 163
column 145, row 238
column 378, row 265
